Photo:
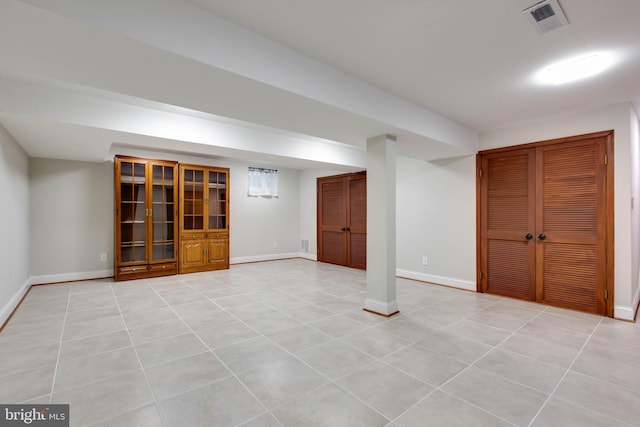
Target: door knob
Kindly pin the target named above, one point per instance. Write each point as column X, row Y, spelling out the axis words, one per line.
column 542, row 237
column 529, row 236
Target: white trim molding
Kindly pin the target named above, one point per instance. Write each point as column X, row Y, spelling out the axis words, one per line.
column 269, row 257
column 622, row 312
column 310, row 257
column 438, row 280
column 10, row 306
column 70, row 277
column 379, row 307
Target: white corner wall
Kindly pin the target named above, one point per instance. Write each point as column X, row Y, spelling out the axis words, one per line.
column 71, row 219
column 14, row 224
column 616, row 117
column 436, row 218
column 635, row 206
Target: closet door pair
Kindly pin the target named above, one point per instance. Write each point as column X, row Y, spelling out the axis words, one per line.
column 545, row 223
column 342, row 219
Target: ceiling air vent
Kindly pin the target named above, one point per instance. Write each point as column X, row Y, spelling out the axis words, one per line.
column 546, row 16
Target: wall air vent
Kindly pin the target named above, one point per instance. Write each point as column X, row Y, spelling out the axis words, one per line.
column 546, row 16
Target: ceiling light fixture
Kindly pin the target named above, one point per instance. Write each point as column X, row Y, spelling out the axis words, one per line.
column 575, row 69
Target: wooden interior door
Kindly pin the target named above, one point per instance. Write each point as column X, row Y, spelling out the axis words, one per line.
column 570, row 238
column 332, row 209
column 342, row 220
column 508, row 210
column 357, row 221
column 545, row 223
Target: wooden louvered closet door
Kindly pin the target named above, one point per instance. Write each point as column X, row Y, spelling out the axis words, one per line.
column 342, row 219
column 571, row 267
column 543, row 223
column 509, row 209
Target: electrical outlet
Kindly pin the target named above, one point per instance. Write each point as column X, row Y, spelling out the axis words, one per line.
column 425, row 260
column 103, row 257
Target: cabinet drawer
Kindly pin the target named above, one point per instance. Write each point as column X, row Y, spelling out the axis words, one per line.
column 191, row 236
column 133, row 269
column 163, row 267
column 217, row 235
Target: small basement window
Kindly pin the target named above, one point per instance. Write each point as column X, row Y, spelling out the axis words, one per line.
column 263, row 182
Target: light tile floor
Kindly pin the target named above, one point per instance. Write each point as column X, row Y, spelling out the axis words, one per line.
column 286, row 343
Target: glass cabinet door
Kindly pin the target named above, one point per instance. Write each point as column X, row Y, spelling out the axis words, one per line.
column 162, row 212
column 217, row 210
column 133, row 232
column 193, row 199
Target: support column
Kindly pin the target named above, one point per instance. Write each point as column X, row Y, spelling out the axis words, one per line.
column 381, row 226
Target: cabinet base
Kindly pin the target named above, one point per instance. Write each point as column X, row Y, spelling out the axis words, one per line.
column 145, row 271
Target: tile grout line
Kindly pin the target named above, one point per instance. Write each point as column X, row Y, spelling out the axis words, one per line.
column 64, row 326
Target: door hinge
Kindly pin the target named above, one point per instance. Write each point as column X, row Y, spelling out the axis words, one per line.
column 480, row 172
column 606, row 160
column 606, row 294
column 481, row 275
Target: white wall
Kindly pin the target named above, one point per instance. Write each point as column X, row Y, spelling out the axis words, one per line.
column 616, row 117
column 71, row 219
column 14, row 224
column 257, row 223
column 436, row 218
column 635, row 213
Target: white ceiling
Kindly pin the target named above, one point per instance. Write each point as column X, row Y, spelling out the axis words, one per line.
column 294, row 82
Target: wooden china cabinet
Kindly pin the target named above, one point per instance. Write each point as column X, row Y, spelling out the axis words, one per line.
column 146, row 226
column 204, row 218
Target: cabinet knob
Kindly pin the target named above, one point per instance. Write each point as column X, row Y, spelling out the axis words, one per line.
column 164, row 266
column 133, row 269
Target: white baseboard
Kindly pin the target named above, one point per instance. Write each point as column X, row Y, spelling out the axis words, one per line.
column 258, row 258
column 7, row 309
column 384, row 308
column 636, row 303
column 438, row 280
column 623, row 312
column 306, row 255
column 70, row 277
